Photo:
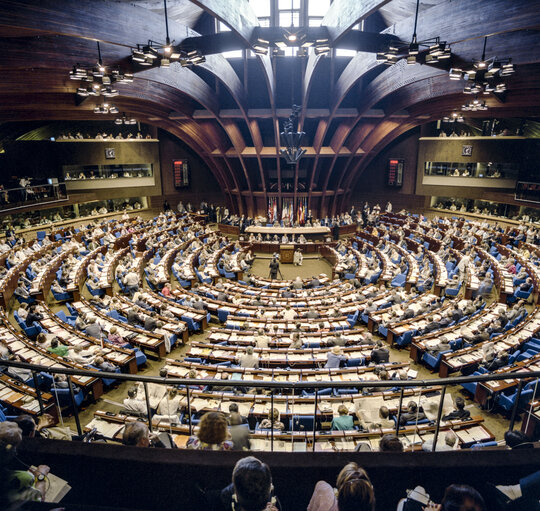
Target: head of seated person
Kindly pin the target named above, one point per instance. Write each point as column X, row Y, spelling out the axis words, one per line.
column 213, row 428
column 390, row 443
column 354, row 489
column 460, row 497
column 252, row 485
column 136, row 433
column 514, row 438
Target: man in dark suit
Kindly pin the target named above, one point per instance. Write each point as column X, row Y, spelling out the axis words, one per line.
column 133, row 318
column 456, row 313
column 239, row 433
column 287, row 293
column 274, row 268
column 200, row 305
column 413, row 414
column 497, row 363
column 431, row 326
column 150, row 322
column 459, row 412
column 380, row 354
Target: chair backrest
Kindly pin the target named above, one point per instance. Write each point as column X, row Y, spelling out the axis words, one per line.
column 62, row 316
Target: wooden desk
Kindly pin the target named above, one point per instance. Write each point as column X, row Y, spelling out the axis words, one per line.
column 286, row 253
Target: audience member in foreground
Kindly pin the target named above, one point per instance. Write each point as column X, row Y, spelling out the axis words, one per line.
column 390, row 443
column 251, row 488
column 457, row 497
column 353, row 492
column 522, row 496
column 137, row 434
column 212, row 434
column 17, row 482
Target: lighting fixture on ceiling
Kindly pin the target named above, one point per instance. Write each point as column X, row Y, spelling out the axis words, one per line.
column 164, row 54
column 484, row 76
column 322, row 46
column 260, row 46
column 125, row 120
column 292, row 140
column 105, row 108
column 453, row 117
column 431, row 51
column 474, row 105
column 97, row 80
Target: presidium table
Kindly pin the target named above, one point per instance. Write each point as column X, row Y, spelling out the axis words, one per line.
column 288, row 230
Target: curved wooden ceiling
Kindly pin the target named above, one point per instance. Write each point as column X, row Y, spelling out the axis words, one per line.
column 231, row 112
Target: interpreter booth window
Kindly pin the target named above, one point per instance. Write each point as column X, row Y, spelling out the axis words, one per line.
column 490, row 170
column 124, row 171
column 56, row 215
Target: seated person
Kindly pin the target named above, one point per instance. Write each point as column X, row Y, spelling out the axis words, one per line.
column 414, row 413
column 380, row 354
column 58, row 349
column 134, row 404
column 334, row 358
column 267, row 423
column 251, row 488
column 20, row 483
column 239, row 433
column 459, row 412
column 450, row 439
column 524, row 496
column 385, row 420
column 390, row 443
column 353, row 491
column 249, row 359
column 212, row 434
column 344, row 421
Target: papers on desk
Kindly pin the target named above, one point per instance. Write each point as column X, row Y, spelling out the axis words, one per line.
column 204, row 404
column 344, row 445
column 105, row 428
column 302, row 408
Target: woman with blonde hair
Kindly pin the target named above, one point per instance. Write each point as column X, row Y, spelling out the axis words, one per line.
column 353, row 492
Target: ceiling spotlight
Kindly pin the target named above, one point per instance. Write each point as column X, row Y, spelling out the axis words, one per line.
column 77, row 73
column 137, row 56
column 292, row 38
column 109, row 92
column 413, row 48
column 508, row 68
column 124, row 119
column 150, row 52
column 455, row 73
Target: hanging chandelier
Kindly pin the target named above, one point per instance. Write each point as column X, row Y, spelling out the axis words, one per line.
column 292, row 140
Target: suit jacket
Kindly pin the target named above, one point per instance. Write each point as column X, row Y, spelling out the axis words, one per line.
column 133, row 318
column 94, row 330
column 150, row 324
column 240, row 438
column 380, row 355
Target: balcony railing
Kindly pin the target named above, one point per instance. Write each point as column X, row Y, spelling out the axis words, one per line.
column 187, row 383
column 17, row 198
